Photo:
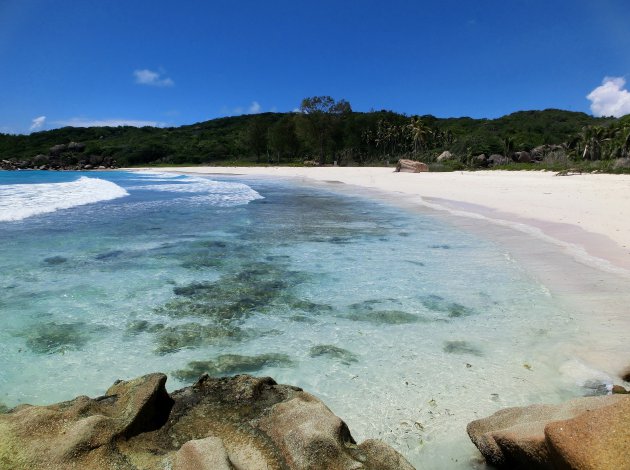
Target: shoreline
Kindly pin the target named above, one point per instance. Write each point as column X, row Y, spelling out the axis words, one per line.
column 591, row 212
column 529, row 344
column 580, row 258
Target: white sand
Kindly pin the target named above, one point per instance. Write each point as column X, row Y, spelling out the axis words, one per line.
column 580, row 212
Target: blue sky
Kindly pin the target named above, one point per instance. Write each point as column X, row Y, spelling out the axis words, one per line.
column 87, row 62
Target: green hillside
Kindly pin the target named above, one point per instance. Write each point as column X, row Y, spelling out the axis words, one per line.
column 329, row 131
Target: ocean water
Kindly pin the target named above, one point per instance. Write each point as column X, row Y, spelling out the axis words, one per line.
column 407, row 327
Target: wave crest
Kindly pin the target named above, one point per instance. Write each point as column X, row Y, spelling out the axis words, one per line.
column 218, row 193
column 19, row 201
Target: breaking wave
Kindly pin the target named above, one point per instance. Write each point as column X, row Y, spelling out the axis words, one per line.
column 219, row 193
column 19, row 201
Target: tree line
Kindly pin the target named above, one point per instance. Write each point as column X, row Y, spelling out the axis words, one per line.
column 327, row 131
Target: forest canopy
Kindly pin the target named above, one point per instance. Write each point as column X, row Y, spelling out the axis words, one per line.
column 327, row 131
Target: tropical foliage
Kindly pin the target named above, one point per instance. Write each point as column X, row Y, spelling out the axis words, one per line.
column 328, row 131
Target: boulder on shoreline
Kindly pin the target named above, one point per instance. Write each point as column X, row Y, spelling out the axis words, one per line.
column 584, row 433
column 239, row 422
column 411, row 166
column 522, row 157
column 62, row 157
column 498, row 159
column 445, row 156
column 57, row 164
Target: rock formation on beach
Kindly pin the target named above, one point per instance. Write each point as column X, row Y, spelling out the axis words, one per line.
column 69, row 156
column 240, row 422
column 411, row 166
column 445, row 156
column 585, row 433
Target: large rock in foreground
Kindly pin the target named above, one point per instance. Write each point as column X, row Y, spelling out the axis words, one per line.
column 586, row 433
column 229, row 423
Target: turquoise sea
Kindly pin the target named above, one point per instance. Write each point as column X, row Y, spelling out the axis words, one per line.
column 406, row 326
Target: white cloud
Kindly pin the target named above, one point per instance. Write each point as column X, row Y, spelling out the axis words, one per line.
column 37, row 123
column 83, row 122
column 254, row 108
column 610, row 98
column 151, row 78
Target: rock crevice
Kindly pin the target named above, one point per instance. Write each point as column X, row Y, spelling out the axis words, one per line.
column 239, row 422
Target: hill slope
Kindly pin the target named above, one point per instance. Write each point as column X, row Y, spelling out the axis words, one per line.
column 287, row 137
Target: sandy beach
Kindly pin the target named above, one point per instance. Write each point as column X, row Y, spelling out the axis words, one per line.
column 571, row 232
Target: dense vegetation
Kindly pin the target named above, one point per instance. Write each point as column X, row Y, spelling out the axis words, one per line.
column 327, row 131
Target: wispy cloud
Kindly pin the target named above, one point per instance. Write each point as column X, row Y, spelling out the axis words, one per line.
column 37, row 123
column 151, row 78
column 83, row 122
column 254, row 108
column 610, row 98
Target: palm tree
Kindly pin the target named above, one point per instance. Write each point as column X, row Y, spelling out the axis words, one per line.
column 625, row 142
column 571, row 147
column 448, row 138
column 419, row 132
column 619, row 142
column 508, row 146
column 382, row 136
column 594, row 138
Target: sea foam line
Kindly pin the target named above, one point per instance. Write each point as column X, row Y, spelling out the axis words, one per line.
column 19, row 201
column 219, row 193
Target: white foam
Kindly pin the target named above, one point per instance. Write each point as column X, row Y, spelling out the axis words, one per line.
column 160, row 174
column 19, row 201
column 219, row 193
column 154, row 176
column 576, row 372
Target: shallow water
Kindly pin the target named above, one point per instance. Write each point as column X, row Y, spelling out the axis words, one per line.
column 407, row 327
